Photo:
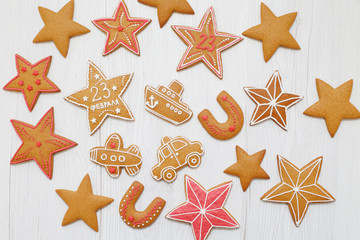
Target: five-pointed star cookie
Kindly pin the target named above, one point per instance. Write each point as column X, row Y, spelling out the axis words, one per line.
column 273, row 32
column 166, row 8
column 40, row 143
column 83, row 204
column 333, row 105
column 59, row 27
column 121, row 30
column 205, row 44
column 31, row 80
column 298, row 188
column 247, row 167
column 204, row 209
column 102, row 97
column 272, row 102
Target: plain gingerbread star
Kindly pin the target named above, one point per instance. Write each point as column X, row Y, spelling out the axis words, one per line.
column 121, row 30
column 59, row 27
column 273, row 32
column 205, row 44
column 247, row 167
column 166, row 8
column 83, row 204
column 40, row 143
column 298, row 188
column 333, row 105
column 31, row 80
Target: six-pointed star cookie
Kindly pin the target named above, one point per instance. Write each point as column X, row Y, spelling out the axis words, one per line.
column 273, row 32
column 102, row 97
column 121, row 30
column 272, row 102
column 40, row 143
column 59, row 27
column 31, row 80
column 83, row 204
column 333, row 105
column 247, row 167
column 298, row 188
column 205, row 44
column 166, row 8
column 204, row 209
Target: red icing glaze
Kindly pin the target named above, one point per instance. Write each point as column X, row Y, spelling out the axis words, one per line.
column 35, row 73
column 112, row 145
column 21, row 82
column 120, row 28
column 38, row 81
column 38, row 144
column 205, row 117
column 224, row 98
column 112, row 170
column 131, row 218
column 29, row 88
column 232, row 128
column 23, row 69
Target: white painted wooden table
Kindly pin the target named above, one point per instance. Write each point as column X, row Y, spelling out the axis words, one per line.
column 328, row 33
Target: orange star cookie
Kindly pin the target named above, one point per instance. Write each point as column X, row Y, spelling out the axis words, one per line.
column 83, row 204
column 298, row 188
column 102, row 97
column 273, row 32
column 247, row 167
column 272, row 102
column 39, row 143
column 205, row 44
column 121, row 30
column 31, row 80
column 59, row 27
column 166, row 8
column 333, row 105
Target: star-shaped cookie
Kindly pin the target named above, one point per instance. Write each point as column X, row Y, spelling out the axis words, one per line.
column 333, row 105
column 102, row 97
column 205, row 44
column 83, row 204
column 59, row 27
column 39, row 143
column 247, row 167
column 121, row 30
column 166, row 8
column 272, row 102
column 204, row 209
column 273, row 32
column 298, row 188
column 31, row 80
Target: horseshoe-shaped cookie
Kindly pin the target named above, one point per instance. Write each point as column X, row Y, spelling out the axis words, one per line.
column 231, row 127
column 131, row 216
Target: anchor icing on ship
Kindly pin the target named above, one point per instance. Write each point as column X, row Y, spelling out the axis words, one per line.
column 165, row 102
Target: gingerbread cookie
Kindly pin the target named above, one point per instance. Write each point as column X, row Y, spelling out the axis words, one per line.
column 59, row 27
column 205, row 44
column 333, row 105
column 102, row 97
column 231, row 127
column 273, row 32
column 39, row 143
column 121, row 30
column 174, row 154
column 298, row 188
column 31, row 80
column 83, row 204
column 166, row 103
column 166, row 8
column 204, row 209
column 113, row 156
column 272, row 102
column 247, row 167
column 133, row 217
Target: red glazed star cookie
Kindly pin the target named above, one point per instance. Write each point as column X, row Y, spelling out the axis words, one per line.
column 39, row 143
column 139, row 219
column 102, row 97
column 121, row 30
column 31, row 80
column 205, row 44
column 298, row 188
column 204, row 209
column 272, row 102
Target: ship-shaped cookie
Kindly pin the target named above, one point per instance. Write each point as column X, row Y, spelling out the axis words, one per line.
column 165, row 102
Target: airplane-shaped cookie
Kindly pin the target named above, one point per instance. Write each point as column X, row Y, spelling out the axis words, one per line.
column 113, row 156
